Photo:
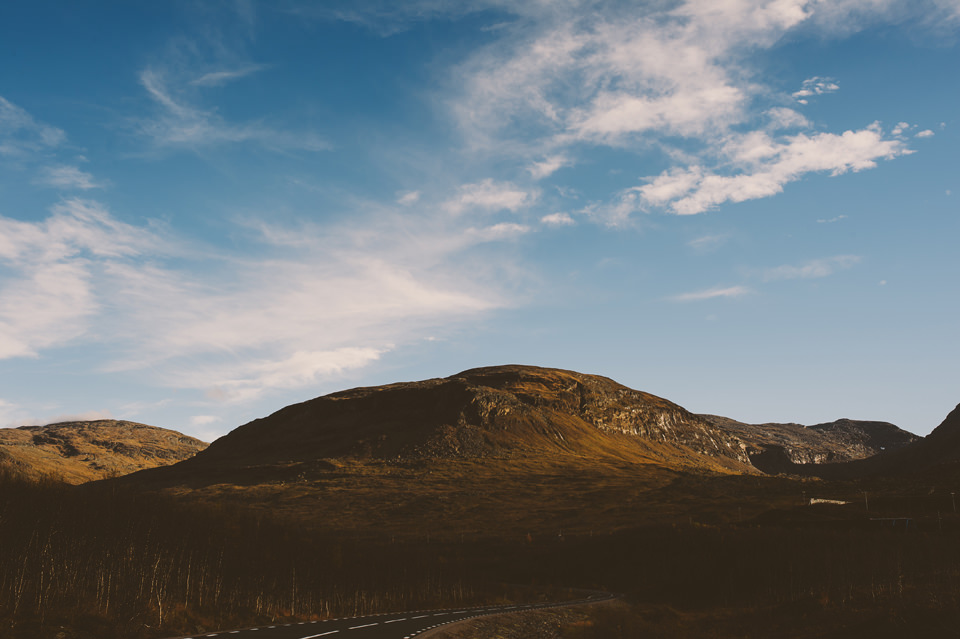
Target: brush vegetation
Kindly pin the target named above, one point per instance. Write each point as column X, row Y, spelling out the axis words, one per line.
column 494, row 485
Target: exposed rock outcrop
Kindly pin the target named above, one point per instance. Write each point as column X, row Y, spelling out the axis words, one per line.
column 778, row 448
column 486, row 412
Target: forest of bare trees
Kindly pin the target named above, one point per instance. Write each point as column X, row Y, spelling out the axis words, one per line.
column 107, row 562
column 141, row 565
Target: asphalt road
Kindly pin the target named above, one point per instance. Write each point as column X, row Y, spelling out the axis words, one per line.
column 388, row 626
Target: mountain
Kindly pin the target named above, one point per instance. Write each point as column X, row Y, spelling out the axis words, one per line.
column 779, row 448
column 502, row 450
column 901, row 454
column 496, row 412
column 937, row 453
column 79, row 452
column 942, row 446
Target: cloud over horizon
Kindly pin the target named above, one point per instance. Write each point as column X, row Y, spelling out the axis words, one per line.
column 674, row 78
column 243, row 200
column 315, row 303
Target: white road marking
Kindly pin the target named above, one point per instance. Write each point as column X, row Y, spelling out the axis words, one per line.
column 395, row 620
column 420, row 617
column 363, row 626
column 320, row 635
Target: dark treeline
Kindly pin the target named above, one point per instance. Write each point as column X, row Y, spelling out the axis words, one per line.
column 122, row 564
column 752, row 566
column 114, row 563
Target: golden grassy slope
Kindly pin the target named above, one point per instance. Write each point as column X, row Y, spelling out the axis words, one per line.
column 78, row 452
column 498, row 451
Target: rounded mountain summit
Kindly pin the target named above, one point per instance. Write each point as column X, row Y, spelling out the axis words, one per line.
column 511, row 412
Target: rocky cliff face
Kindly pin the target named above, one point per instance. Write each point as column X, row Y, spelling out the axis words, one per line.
column 487, row 412
column 84, row 451
column 775, row 448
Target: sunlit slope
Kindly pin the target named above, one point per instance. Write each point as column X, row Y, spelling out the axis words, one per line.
column 502, row 451
column 505, row 412
column 78, row 452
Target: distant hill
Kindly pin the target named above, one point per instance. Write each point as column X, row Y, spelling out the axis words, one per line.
column 513, row 411
column 78, row 452
column 501, row 450
column 778, row 448
column 935, row 456
column 498, row 451
column 495, row 412
column 937, row 453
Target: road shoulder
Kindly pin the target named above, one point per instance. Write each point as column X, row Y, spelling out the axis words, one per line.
column 543, row 623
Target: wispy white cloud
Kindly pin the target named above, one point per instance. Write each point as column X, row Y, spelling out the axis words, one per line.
column 673, row 76
column 900, row 128
column 220, row 78
column 250, row 378
column 713, row 293
column 67, row 177
column 490, row 196
column 410, row 197
column 766, row 166
column 22, row 135
column 47, row 306
column 558, row 219
column 384, row 17
column 815, row 86
column 180, row 124
column 926, row 133
column 812, row 269
column 325, row 308
column 784, row 118
column 831, row 220
column 548, row 166
column 706, row 243
column 501, row 231
column 47, row 296
column 299, row 305
column 610, row 76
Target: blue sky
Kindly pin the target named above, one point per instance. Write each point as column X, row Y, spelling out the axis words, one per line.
column 210, row 210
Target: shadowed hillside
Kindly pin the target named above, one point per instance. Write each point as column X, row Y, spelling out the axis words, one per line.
column 778, row 448
column 498, row 412
column 936, row 455
column 507, row 482
column 491, row 452
column 77, row 452
column 499, row 451
column 528, row 448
